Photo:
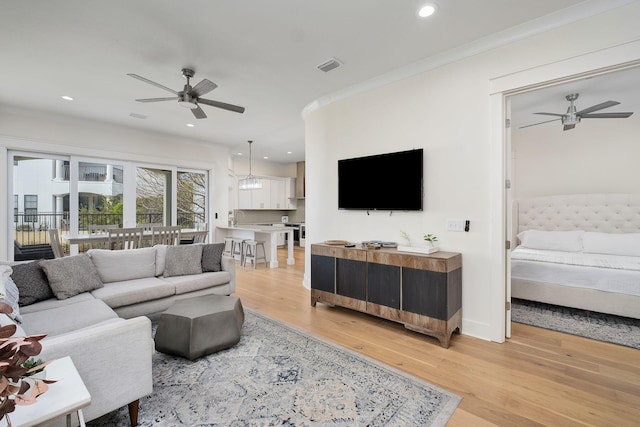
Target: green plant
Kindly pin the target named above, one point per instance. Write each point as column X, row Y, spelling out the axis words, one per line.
column 14, row 354
column 34, row 366
column 430, row 238
column 406, row 237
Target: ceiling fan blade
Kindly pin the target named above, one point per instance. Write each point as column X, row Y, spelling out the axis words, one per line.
column 550, row 114
column 536, row 124
column 222, row 105
column 568, row 127
column 199, row 113
column 173, row 98
column 205, row 86
column 135, row 76
column 606, row 116
column 597, row 107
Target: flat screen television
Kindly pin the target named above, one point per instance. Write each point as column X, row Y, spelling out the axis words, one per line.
column 391, row 181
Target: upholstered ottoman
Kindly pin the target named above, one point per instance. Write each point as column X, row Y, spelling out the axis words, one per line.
column 199, row 326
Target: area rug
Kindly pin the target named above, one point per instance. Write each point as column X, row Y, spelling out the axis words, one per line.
column 279, row 376
column 598, row 326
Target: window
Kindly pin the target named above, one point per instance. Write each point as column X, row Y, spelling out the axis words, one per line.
column 30, row 208
column 15, row 208
column 153, row 196
column 191, row 198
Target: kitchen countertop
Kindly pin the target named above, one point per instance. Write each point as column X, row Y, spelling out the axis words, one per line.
column 257, row 227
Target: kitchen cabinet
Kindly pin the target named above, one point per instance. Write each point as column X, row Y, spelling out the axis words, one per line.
column 259, row 198
column 275, row 194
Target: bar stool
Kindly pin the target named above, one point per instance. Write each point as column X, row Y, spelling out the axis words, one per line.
column 228, row 243
column 233, row 246
column 251, row 252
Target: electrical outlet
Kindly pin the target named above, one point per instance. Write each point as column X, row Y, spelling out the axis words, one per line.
column 455, row 225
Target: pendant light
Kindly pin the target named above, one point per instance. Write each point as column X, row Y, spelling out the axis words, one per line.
column 250, row 182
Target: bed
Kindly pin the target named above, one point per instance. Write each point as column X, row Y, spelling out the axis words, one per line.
column 580, row 251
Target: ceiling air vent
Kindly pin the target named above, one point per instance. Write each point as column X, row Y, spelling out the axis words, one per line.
column 329, row 65
column 137, row 116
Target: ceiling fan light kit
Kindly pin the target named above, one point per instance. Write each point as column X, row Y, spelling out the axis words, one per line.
column 573, row 117
column 189, row 97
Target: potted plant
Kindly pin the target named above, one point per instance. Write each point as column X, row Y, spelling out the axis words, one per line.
column 14, row 353
column 429, row 247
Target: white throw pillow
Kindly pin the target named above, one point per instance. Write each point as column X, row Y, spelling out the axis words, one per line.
column 612, row 243
column 120, row 265
column 566, row 241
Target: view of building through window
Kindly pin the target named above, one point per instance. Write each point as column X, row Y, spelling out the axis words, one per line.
column 42, row 186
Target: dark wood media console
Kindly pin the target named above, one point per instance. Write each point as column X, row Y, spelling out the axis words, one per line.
column 423, row 292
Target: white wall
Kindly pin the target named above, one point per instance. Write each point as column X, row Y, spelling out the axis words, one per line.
column 598, row 156
column 449, row 112
column 49, row 133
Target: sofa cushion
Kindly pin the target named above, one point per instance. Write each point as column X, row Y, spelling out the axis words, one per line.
column 6, row 321
column 118, row 294
column 54, row 303
column 71, row 275
column 67, row 318
column 183, row 260
column 195, row 282
column 212, row 257
column 116, row 266
column 161, row 258
column 32, row 283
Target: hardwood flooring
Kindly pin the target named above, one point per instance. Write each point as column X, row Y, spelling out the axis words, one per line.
column 537, row 378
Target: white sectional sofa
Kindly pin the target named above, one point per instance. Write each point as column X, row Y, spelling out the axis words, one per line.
column 99, row 312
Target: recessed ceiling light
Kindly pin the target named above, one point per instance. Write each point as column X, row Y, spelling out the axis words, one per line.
column 239, row 154
column 427, row 10
column 67, row 98
column 190, row 125
column 265, row 157
column 289, row 152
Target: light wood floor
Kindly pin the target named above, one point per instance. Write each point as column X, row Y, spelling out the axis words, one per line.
column 538, row 377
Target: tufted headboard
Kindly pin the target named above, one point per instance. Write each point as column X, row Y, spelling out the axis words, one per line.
column 607, row 213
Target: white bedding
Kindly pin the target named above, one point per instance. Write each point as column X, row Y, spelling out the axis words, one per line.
column 609, row 273
column 578, row 258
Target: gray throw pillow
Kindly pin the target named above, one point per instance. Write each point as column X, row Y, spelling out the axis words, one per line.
column 182, row 260
column 32, row 283
column 212, row 257
column 71, row 275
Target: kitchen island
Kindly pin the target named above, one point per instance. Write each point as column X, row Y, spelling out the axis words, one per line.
column 266, row 233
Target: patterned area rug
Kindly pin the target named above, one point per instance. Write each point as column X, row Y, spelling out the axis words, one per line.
column 598, row 326
column 279, row 376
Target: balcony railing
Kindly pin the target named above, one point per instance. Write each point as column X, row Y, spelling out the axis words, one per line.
column 93, row 173
column 33, row 228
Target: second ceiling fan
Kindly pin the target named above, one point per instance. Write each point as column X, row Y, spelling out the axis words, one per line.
column 189, row 97
column 573, row 117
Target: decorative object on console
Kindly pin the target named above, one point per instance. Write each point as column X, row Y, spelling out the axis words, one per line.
column 430, row 247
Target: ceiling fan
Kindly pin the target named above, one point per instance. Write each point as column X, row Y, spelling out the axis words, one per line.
column 573, row 117
column 189, row 97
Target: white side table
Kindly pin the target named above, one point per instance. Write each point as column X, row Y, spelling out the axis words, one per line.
column 64, row 397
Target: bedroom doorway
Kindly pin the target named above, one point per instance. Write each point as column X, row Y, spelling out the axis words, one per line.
column 546, row 157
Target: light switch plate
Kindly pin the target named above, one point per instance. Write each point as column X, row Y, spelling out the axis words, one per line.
column 455, row 225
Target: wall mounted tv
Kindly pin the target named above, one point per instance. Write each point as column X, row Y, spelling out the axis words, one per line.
column 391, row 181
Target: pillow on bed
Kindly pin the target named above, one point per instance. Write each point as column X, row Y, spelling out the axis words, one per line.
column 566, row 241
column 612, row 243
